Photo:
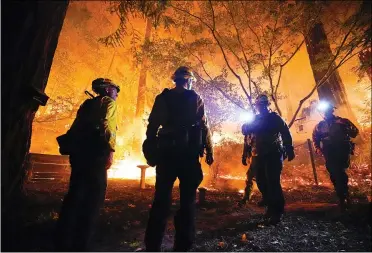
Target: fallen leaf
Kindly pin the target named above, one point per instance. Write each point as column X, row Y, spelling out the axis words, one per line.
column 244, row 238
column 221, row 244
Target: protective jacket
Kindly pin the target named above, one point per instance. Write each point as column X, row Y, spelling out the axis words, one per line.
column 178, row 114
column 334, row 133
column 267, row 133
column 95, row 124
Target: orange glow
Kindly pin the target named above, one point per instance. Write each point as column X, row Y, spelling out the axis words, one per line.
column 80, row 58
column 127, row 169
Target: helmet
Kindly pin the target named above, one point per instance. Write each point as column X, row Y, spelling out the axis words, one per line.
column 100, row 83
column 262, row 100
column 183, row 73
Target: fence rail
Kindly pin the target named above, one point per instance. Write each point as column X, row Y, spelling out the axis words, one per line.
column 43, row 167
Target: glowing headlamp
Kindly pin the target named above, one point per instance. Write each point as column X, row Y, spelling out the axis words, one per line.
column 323, row 106
column 247, row 117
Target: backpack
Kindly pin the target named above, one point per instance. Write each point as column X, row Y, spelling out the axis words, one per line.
column 84, row 134
column 187, row 135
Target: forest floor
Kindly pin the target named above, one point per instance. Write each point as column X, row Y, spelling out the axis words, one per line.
column 313, row 221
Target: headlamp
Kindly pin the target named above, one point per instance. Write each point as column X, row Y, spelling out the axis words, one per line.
column 247, row 117
column 323, row 106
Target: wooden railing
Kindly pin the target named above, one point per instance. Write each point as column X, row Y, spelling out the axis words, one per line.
column 41, row 167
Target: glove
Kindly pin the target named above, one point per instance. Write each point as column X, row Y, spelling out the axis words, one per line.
column 244, row 161
column 209, row 159
column 290, row 153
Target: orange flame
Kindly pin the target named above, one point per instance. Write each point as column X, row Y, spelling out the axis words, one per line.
column 127, row 169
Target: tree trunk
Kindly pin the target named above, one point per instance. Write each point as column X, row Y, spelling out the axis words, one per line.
column 141, row 96
column 30, row 36
column 333, row 89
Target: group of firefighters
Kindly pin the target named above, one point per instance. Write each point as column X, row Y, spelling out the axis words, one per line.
column 177, row 136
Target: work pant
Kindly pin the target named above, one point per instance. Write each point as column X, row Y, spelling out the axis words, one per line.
column 82, row 203
column 337, row 161
column 251, row 178
column 189, row 172
column 269, row 168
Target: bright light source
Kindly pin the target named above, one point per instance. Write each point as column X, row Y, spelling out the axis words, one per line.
column 247, row 117
column 323, row 106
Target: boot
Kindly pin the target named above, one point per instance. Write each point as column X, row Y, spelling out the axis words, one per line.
column 275, row 219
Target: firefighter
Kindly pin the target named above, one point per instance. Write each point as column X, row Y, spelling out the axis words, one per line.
column 175, row 149
column 251, row 173
column 90, row 142
column 271, row 142
column 331, row 138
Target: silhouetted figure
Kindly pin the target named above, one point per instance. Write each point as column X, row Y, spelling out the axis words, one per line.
column 252, row 170
column 90, row 142
column 175, row 149
column 331, row 138
column 270, row 141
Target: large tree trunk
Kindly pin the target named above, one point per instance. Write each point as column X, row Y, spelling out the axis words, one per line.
column 141, row 96
column 333, row 89
column 30, row 36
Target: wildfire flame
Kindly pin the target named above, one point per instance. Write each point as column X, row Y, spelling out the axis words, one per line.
column 127, row 169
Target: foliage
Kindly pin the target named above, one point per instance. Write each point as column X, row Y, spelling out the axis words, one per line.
column 240, row 48
column 58, row 109
column 347, row 35
column 256, row 40
column 126, row 8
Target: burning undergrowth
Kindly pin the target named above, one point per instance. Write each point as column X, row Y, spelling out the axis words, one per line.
column 228, row 174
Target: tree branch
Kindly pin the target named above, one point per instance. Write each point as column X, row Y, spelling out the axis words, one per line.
column 244, row 55
column 211, row 82
column 326, row 76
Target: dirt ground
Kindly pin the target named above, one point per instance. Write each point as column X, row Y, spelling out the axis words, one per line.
column 312, row 221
